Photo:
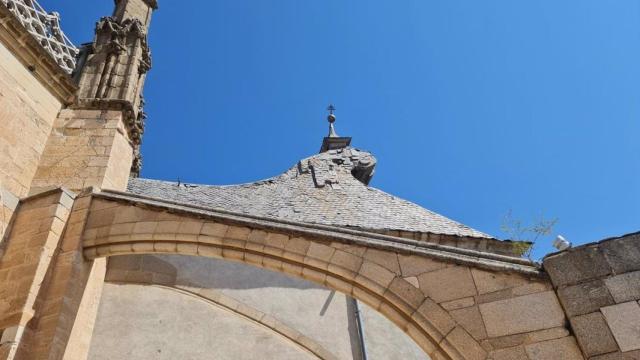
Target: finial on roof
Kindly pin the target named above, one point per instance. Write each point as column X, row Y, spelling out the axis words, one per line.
column 333, row 140
column 332, row 119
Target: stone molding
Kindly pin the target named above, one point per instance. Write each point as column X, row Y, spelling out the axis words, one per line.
column 480, row 259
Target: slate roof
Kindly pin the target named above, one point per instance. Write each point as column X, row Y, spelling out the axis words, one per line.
column 328, row 188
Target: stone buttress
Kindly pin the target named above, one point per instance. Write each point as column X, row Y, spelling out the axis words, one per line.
column 48, row 291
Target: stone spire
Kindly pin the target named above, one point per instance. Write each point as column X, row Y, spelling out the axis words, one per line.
column 333, row 141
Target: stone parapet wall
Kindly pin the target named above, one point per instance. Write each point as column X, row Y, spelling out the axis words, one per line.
column 599, row 287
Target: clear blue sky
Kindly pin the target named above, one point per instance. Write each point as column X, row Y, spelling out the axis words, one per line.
column 471, row 107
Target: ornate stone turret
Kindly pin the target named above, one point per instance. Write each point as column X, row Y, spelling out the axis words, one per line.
column 116, row 65
column 96, row 141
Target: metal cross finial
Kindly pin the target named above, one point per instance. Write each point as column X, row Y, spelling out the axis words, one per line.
column 331, row 118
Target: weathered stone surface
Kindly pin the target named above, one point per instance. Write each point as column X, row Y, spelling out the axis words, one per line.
column 624, row 322
column 576, row 265
column 412, row 265
column 458, row 304
column 623, row 254
column 465, row 344
column 522, row 314
column 375, row 276
column 447, row 284
column 490, row 281
column 345, row 264
column 625, row 287
column 385, row 258
column 547, row 334
column 565, row 349
column 629, row 355
column 413, row 281
column 406, row 293
column 436, row 316
column 471, row 320
column 513, row 353
column 593, row 334
column 585, row 298
column 503, row 342
column 214, row 229
column 320, row 252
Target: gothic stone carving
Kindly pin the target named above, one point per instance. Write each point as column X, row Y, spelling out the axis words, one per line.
column 114, row 74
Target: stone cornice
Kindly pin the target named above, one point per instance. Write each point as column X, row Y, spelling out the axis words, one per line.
column 473, row 258
column 31, row 54
column 134, row 124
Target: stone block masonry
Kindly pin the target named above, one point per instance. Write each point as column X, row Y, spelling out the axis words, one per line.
column 86, row 148
column 450, row 309
column 27, row 113
column 598, row 285
column 30, row 248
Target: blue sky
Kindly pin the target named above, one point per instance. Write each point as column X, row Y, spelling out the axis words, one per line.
column 473, row 108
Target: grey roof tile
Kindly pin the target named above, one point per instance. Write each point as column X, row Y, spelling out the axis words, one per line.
column 322, row 189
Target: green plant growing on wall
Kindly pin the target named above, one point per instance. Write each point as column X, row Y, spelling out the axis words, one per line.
column 525, row 235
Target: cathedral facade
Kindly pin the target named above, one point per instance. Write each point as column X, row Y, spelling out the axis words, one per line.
column 98, row 263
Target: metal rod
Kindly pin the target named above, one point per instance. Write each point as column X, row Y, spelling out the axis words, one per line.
column 360, row 324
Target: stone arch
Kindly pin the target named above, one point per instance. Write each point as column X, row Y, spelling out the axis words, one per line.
column 248, row 313
column 152, row 271
column 410, row 284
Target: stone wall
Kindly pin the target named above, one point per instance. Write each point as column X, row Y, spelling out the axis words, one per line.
column 451, row 306
column 263, row 308
column 86, row 148
column 599, row 287
column 27, row 113
column 29, row 251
